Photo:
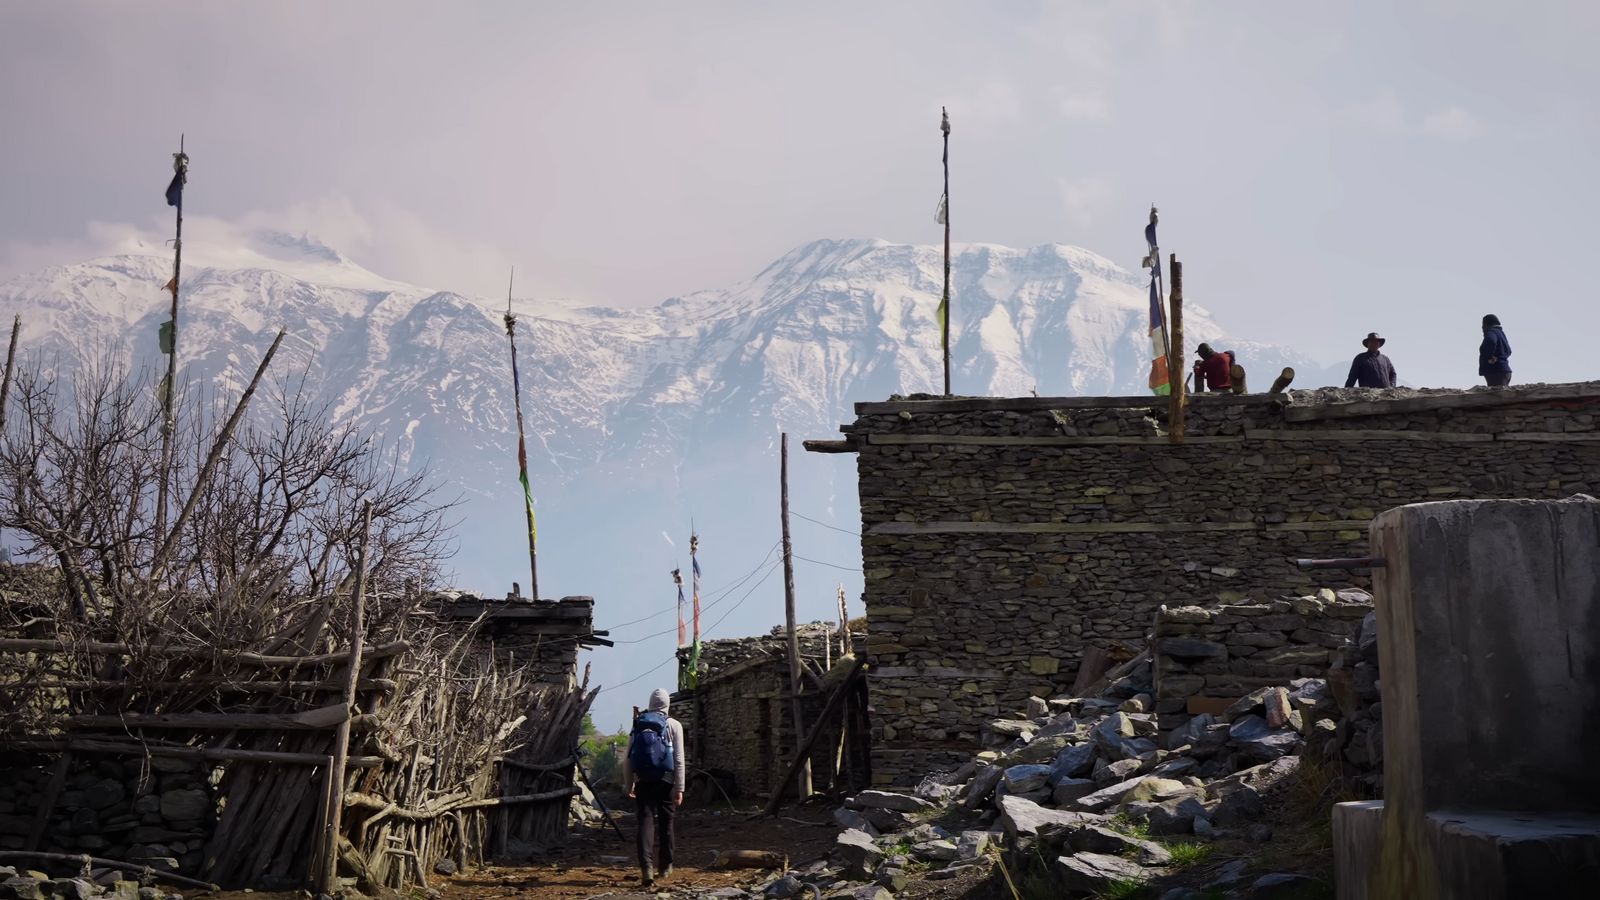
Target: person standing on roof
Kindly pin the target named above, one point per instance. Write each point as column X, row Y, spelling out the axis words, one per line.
column 653, row 771
column 1371, row 369
column 1494, row 354
column 1213, row 371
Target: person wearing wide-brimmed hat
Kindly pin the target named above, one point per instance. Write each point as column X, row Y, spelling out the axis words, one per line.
column 1371, row 369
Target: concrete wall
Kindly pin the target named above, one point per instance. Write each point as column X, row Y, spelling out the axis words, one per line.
column 1002, row 536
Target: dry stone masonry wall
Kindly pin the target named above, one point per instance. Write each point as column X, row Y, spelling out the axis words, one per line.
column 1001, row 537
column 157, row 812
column 1225, row 652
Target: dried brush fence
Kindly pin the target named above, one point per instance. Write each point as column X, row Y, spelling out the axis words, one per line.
column 448, row 753
column 257, row 695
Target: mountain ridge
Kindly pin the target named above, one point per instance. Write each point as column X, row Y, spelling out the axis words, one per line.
column 639, row 419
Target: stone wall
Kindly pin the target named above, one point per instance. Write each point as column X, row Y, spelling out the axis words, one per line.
column 1223, row 653
column 1002, row 536
column 738, row 721
column 550, row 632
column 157, row 812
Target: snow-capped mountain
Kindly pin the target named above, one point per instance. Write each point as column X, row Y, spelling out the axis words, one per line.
column 638, row 419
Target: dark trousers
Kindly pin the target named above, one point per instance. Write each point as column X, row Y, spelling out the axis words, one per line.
column 654, row 824
column 1498, row 379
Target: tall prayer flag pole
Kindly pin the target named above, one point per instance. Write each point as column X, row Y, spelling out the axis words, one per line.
column 944, row 217
column 522, row 447
column 169, row 339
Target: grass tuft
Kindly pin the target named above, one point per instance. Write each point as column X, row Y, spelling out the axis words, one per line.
column 1188, row 854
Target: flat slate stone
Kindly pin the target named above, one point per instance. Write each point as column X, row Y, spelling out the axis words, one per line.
column 1092, row 873
column 1025, row 817
column 1107, row 796
column 888, row 800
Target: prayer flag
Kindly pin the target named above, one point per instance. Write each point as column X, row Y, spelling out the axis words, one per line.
column 1160, row 377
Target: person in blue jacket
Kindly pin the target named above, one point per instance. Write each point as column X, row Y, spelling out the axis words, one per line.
column 1494, row 354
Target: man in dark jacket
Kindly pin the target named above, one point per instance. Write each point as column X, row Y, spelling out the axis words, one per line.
column 1213, row 371
column 1371, row 369
column 1494, row 354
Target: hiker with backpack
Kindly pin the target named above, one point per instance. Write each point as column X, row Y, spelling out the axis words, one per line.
column 1213, row 371
column 653, row 771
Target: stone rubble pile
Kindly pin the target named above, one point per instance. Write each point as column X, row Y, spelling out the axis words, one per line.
column 1069, row 778
column 109, row 884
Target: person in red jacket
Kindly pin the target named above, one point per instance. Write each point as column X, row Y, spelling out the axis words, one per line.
column 1213, row 371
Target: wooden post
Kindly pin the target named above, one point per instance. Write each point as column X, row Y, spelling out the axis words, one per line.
column 1177, row 368
column 341, row 737
column 180, row 175
column 788, row 611
column 522, row 449
column 846, row 647
column 11, row 355
column 944, row 324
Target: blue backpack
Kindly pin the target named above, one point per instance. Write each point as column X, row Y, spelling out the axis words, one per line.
column 650, row 750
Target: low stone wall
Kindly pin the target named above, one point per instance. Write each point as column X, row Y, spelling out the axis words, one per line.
column 1002, row 536
column 739, row 722
column 1222, row 653
column 157, row 812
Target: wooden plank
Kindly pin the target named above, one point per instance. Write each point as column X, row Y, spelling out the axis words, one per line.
column 91, row 745
column 311, row 720
column 1008, row 440
column 932, row 672
column 259, row 660
column 1039, row 404
column 888, row 528
column 1589, row 390
column 1337, row 525
column 1324, row 435
column 1544, row 437
column 818, row 446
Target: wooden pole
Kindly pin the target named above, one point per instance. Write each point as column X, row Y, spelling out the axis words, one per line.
column 944, row 324
column 11, row 356
column 1176, row 399
column 341, row 737
column 846, row 646
column 180, row 173
column 522, row 449
column 788, row 610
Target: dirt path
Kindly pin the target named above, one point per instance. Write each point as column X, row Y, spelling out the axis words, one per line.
column 594, row 863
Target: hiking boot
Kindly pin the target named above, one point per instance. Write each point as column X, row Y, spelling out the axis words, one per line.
column 667, row 872
column 646, row 881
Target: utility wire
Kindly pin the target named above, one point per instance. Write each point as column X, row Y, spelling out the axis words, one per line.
column 639, row 640
column 818, row 562
column 823, row 524
column 725, row 615
column 710, row 596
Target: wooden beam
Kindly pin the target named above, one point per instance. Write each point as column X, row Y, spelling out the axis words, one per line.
column 243, row 657
column 1324, row 435
column 1044, row 404
column 817, row 446
column 1018, row 440
column 885, row 528
column 324, row 717
column 1516, row 396
column 114, row 748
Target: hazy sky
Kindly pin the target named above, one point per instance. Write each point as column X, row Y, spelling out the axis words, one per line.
column 1324, row 169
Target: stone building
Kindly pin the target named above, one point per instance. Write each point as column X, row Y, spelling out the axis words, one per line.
column 739, row 725
column 551, row 631
column 1000, row 537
